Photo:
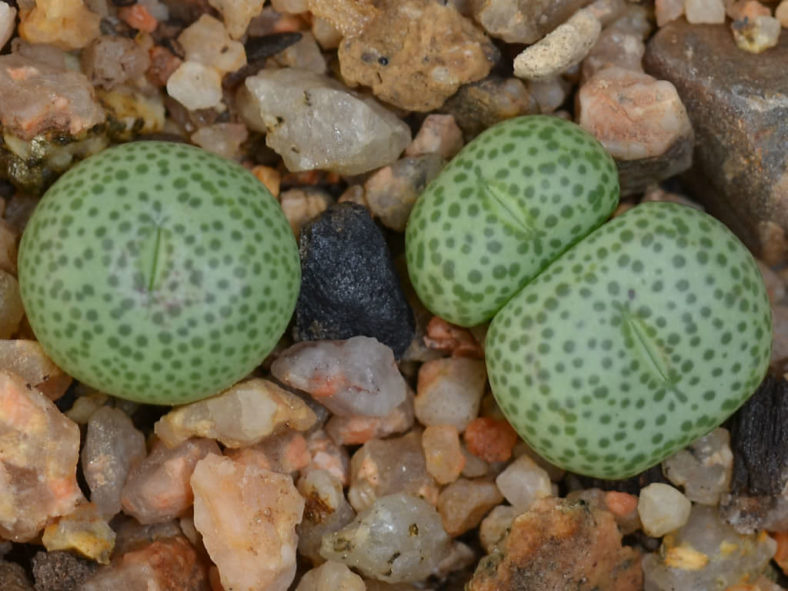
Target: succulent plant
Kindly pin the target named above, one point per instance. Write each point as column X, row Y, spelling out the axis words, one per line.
column 158, row 272
column 620, row 344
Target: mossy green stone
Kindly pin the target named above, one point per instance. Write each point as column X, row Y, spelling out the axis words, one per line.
column 158, row 272
column 641, row 338
column 510, row 202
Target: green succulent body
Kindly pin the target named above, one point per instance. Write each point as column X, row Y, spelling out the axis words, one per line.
column 627, row 344
column 158, row 272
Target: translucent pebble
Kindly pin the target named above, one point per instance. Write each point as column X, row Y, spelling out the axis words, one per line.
column 286, row 452
column 706, row 554
column 399, row 539
column 237, row 14
column 28, row 360
column 358, row 376
column 247, row 517
column 550, row 93
column 704, row 468
column 326, row 511
column 438, row 134
column 157, row 489
column 757, row 34
column 240, row 416
column 305, row 54
column 385, row 466
column 11, row 310
column 359, row 429
column 331, row 576
column 112, row 60
column 84, row 531
column 195, row 86
column 496, row 525
column 668, row 10
column 662, row 509
column 704, row 11
column 112, row 445
column 206, row 41
column 7, row 23
column 524, row 482
column 326, row 454
column 464, row 503
column 68, row 24
column 224, row 139
column 449, row 391
column 443, row 452
column 474, row 466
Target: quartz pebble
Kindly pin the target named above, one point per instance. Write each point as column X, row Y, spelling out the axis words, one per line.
column 704, row 11
column 332, row 130
column 523, row 483
column 781, row 14
column 495, row 526
column 523, row 21
column 330, row 576
column 668, row 10
column 157, row 488
column 302, row 205
column 111, row 60
column 398, row 539
column 286, row 452
column 67, row 24
column 662, row 509
column 241, row 510
column 438, row 134
column 757, row 34
column 386, row 466
column 549, row 93
column 615, row 47
column 391, row 192
column 153, row 567
column 207, row 42
column 449, row 391
column 416, row 53
column 224, row 139
column 359, row 429
column 240, row 416
column 304, row 54
column 357, row 376
column 38, row 460
column 704, row 468
column 443, row 453
column 28, row 360
column 84, row 530
column 237, row 14
column 706, row 554
column 454, row 340
column 327, row 455
column 561, row 49
column 7, row 23
column 112, row 446
column 326, row 510
column 463, row 504
column 195, row 86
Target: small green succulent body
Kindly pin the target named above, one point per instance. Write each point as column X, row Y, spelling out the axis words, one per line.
column 623, row 343
column 158, row 272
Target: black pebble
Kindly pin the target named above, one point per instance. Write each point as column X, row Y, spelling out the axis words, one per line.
column 349, row 286
column 60, row 571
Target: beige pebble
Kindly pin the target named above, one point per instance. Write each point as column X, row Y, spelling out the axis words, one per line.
column 443, row 452
column 705, row 11
column 781, row 14
column 565, row 47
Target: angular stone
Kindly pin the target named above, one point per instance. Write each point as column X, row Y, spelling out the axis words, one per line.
column 561, row 545
column 38, row 460
column 495, row 527
column 464, row 503
column 240, row 416
column 642, row 123
column 359, row 429
column 313, row 122
column 438, row 134
column 38, row 98
column 112, row 60
column 523, row 21
column 28, row 360
column 326, row 511
column 247, row 517
column 662, row 509
column 84, row 530
column 112, row 446
column 157, row 489
column 286, row 452
column 237, row 14
column 736, row 103
column 67, row 24
column 327, row 455
column 416, row 53
column 398, row 539
column 206, row 41
column 523, row 483
column 704, row 468
column 443, row 453
column 330, row 576
column 704, row 11
column 449, row 391
column 60, row 571
column 349, row 286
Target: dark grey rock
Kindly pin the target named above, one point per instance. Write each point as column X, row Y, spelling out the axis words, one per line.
column 60, row 571
column 349, row 286
column 737, row 104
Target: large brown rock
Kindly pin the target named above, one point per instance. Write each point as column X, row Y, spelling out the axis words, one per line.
column 738, row 106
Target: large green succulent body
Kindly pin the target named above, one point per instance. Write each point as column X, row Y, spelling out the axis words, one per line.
column 158, row 272
column 622, row 348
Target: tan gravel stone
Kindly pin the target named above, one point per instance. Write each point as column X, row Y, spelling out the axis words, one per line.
column 67, row 24
column 438, row 134
column 443, row 453
column 84, row 531
column 464, row 503
column 523, row 21
column 28, row 360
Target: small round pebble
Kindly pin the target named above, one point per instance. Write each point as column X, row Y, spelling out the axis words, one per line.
column 158, row 272
column 662, row 509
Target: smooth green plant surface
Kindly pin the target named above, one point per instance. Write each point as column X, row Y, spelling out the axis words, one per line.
column 158, row 272
column 642, row 336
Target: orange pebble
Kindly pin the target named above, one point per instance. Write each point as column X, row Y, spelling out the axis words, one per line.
column 490, row 439
column 781, row 556
column 138, row 17
column 620, row 503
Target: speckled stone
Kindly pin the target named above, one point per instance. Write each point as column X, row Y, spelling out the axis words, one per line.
column 60, row 571
column 349, row 286
column 736, row 103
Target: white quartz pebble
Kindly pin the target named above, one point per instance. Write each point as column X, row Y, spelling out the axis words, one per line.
column 662, row 509
column 331, row 576
column 705, row 11
column 524, row 482
column 195, row 86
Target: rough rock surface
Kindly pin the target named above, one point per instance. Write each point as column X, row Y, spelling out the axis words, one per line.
column 28, row 360
column 13, row 577
column 349, row 286
column 312, row 121
column 60, row 571
column 416, row 53
column 737, row 104
column 560, row 545
column 39, row 451
column 523, row 21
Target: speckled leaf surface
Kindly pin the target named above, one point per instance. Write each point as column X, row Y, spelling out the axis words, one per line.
column 158, row 272
column 638, row 340
column 509, row 203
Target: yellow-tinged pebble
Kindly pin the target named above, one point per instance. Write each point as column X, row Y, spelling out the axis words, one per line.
column 83, row 531
column 270, row 177
column 685, row 557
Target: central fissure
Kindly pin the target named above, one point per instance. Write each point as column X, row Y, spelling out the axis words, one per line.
column 652, row 351
column 499, row 197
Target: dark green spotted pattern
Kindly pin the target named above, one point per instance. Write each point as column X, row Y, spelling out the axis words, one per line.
column 158, row 272
column 640, row 339
column 509, row 203
column 614, row 353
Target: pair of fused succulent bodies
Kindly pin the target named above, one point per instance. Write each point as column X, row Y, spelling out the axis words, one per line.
column 161, row 273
